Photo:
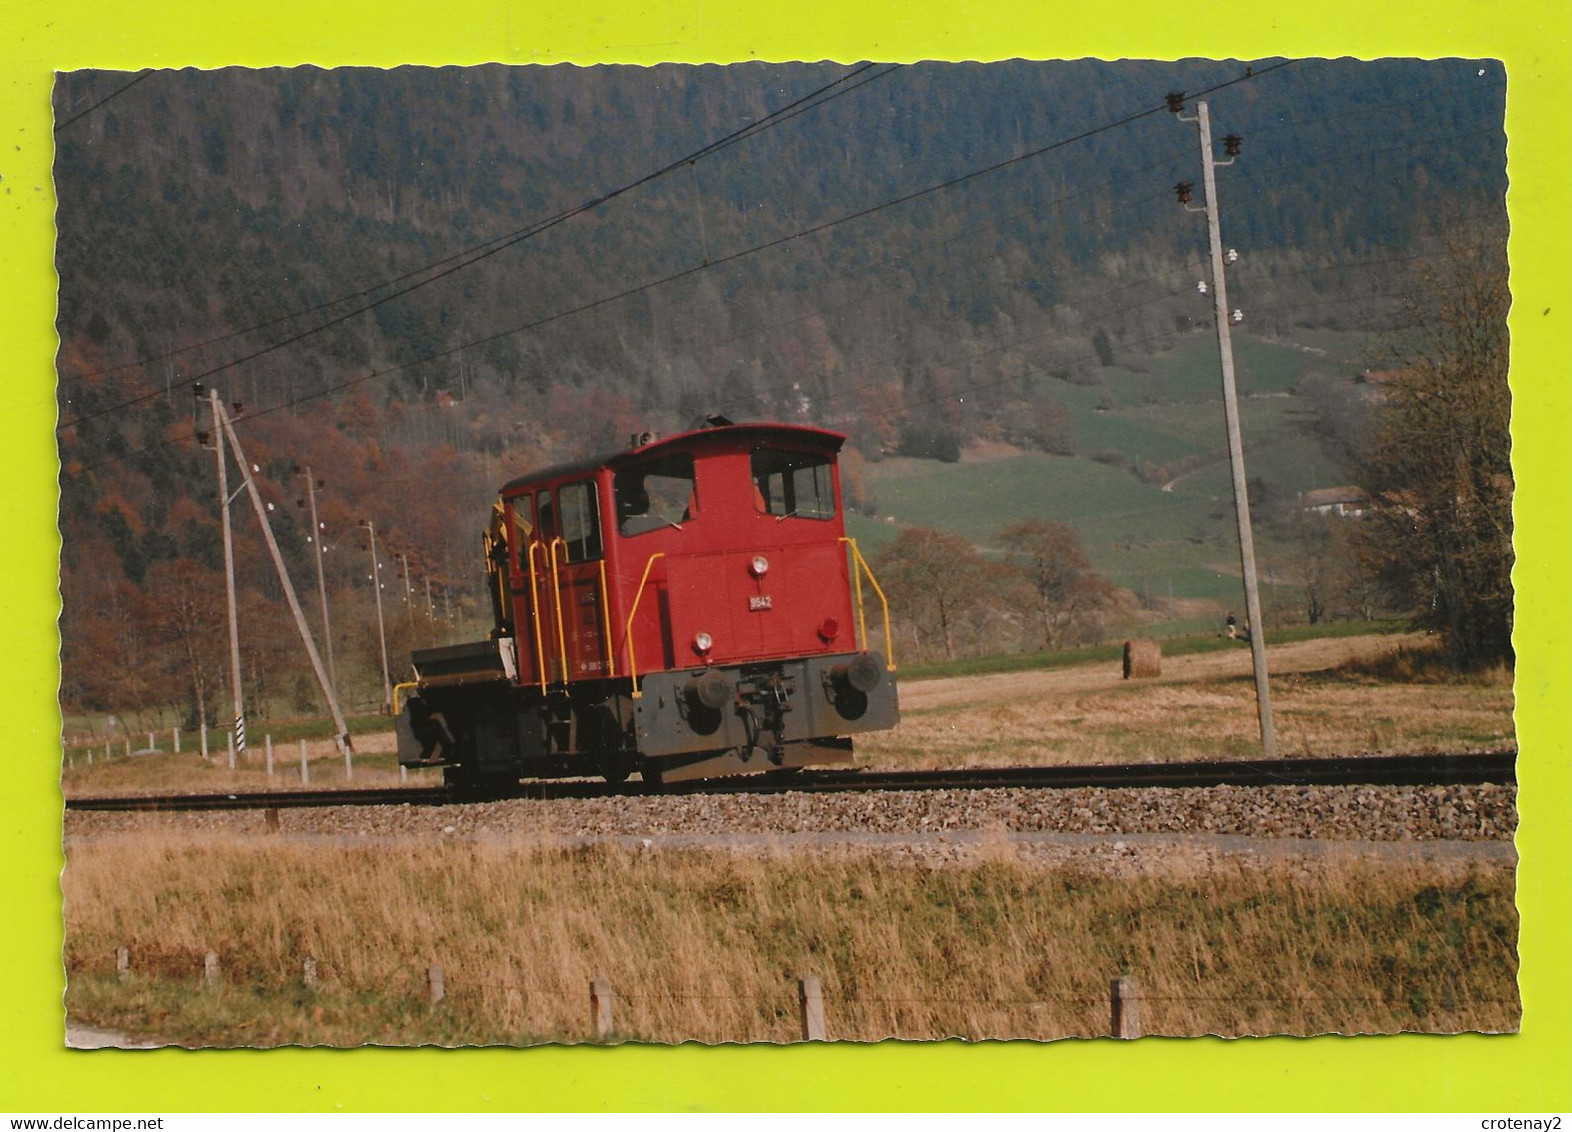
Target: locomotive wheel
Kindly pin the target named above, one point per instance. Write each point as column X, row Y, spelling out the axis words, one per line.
column 615, row 767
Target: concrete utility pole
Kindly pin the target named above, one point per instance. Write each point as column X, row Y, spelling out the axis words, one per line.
column 341, row 735
column 229, row 571
column 376, row 588
column 409, row 591
column 1263, row 691
column 321, row 549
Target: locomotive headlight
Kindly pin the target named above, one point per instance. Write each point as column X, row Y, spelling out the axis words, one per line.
column 760, row 566
column 702, row 643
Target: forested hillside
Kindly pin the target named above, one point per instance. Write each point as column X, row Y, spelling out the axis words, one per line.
column 420, row 282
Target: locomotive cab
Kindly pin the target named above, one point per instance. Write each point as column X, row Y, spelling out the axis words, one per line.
column 689, row 607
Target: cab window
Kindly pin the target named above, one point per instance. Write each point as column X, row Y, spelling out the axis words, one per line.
column 656, row 494
column 579, row 520
column 523, row 530
column 793, row 484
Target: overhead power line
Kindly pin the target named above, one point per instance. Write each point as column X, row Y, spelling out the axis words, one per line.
column 107, row 98
column 780, row 241
column 476, row 253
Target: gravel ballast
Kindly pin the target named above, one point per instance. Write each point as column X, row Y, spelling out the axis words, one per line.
column 1354, row 813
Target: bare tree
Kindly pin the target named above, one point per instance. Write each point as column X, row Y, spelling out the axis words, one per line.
column 1070, row 598
column 1438, row 468
column 932, row 579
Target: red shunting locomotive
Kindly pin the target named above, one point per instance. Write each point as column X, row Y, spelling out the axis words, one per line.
column 689, row 608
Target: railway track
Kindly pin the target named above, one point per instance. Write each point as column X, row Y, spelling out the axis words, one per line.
column 1395, row 770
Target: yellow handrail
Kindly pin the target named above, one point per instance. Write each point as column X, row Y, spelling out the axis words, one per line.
column 397, row 688
column 859, row 568
column 556, row 591
column 638, row 596
column 605, row 616
column 534, row 602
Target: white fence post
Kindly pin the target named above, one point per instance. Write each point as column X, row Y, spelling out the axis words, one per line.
column 267, row 742
column 204, row 740
column 176, row 735
column 305, row 771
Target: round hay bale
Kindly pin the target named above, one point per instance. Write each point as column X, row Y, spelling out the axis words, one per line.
column 1142, row 658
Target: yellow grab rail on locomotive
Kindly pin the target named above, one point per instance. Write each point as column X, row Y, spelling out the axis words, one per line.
column 859, row 568
column 605, row 617
column 400, row 688
column 556, row 593
column 534, row 600
column 638, row 596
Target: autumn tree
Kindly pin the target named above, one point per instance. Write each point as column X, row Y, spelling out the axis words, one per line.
column 1069, row 598
column 1438, row 468
column 932, row 579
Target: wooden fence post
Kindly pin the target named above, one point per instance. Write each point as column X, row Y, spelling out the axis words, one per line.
column 128, row 746
column 267, row 743
column 810, row 1008
column 309, row 973
column 601, row 1009
column 210, row 971
column 176, row 737
column 435, row 987
column 270, row 818
column 152, row 742
column 305, row 771
column 1125, row 996
column 123, row 963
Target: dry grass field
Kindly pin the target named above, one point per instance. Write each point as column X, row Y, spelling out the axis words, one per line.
column 706, row 945
column 1349, row 696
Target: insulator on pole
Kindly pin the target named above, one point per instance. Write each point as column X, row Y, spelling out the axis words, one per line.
column 1182, row 191
column 1231, row 145
column 1175, row 99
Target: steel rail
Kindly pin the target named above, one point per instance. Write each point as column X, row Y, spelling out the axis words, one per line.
column 1497, row 767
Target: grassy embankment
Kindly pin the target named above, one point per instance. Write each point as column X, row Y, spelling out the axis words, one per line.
column 706, row 945
column 1157, row 543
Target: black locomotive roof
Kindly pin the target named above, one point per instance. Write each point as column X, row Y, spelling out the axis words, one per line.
column 801, row 434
